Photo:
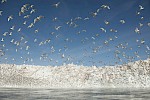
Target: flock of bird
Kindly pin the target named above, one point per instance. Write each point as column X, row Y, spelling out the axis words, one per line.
column 27, row 10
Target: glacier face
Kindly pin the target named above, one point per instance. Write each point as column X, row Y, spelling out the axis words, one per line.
column 135, row 74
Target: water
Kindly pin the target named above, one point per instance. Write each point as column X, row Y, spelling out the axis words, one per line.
column 73, row 94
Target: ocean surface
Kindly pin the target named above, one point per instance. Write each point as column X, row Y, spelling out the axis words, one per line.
column 73, row 94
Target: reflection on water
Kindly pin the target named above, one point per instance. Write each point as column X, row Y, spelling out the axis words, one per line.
column 73, row 94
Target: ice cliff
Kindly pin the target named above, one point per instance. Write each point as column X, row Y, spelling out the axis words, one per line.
column 134, row 74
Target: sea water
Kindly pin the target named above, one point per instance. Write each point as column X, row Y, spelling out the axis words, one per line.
column 74, row 94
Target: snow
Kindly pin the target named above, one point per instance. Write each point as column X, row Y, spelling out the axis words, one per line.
column 134, row 74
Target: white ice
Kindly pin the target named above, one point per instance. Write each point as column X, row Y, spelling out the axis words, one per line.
column 135, row 74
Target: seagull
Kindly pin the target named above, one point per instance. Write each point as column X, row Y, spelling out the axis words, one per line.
column 93, row 38
column 17, row 43
column 110, row 39
column 142, row 18
column 141, row 8
column 22, row 38
column 25, row 5
column 105, row 6
column 16, row 50
column 77, row 18
column 41, row 43
column 83, row 30
column 12, row 41
column 31, row 25
column 75, row 25
column 38, row 18
column 25, row 22
column 5, row 33
column 112, row 30
column 97, row 35
column 87, row 18
column 3, row 1
column 137, row 40
column 57, row 28
column 35, row 40
column 148, row 24
column 10, row 33
column 63, row 56
column 122, row 21
column 25, row 42
column 97, row 10
column 12, row 28
column 52, row 33
column 31, row 6
column 140, row 24
column 27, row 47
column 32, row 11
column 19, row 30
column 94, row 14
column 116, row 37
column 106, row 22
column 142, row 41
column 36, row 31
column 103, row 30
column 106, row 42
column 54, row 19
column 2, row 40
column 138, row 13
column 27, row 16
column 10, row 18
column 1, row 13
column 137, row 30
column 148, row 48
column 56, row 4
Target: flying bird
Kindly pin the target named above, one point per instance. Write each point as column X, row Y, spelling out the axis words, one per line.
column 94, row 14
column 10, row 18
column 122, row 21
column 56, row 4
column 3, row 1
column 137, row 30
column 148, row 48
column 57, row 27
column 1, row 13
column 103, row 30
column 2, row 40
column 141, row 7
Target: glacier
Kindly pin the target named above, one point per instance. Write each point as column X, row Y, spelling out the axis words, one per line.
column 134, row 74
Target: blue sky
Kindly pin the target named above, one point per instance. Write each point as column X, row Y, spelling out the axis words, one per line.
column 87, row 47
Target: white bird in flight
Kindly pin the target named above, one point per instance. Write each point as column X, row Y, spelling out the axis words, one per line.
column 103, row 30
column 10, row 18
column 148, row 24
column 63, row 56
column 141, row 7
column 94, row 14
column 148, row 48
column 122, row 21
column 57, row 27
column 105, row 6
column 2, row 40
column 3, row 1
column 31, row 25
column 12, row 28
column 5, row 33
column 137, row 30
column 87, row 18
column 106, row 22
column 1, row 13
column 32, row 11
column 56, row 4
